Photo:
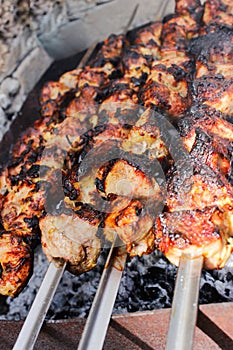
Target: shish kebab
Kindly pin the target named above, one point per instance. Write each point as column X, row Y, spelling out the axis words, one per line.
column 177, row 238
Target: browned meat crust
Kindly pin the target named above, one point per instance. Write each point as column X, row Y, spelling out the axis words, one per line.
column 16, row 263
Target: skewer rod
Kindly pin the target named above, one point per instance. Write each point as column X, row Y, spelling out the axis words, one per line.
column 185, row 303
column 39, row 308
column 99, row 316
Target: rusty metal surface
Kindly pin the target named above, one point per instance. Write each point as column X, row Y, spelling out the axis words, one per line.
column 144, row 330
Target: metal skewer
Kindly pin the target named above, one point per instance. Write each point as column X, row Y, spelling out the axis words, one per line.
column 99, row 316
column 185, row 304
column 32, row 325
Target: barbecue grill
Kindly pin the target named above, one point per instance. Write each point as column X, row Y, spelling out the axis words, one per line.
column 29, row 109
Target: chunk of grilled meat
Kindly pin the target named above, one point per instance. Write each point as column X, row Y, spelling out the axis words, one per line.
column 182, row 26
column 119, row 104
column 209, row 121
column 136, row 67
column 147, row 41
column 195, row 232
column 144, row 138
column 71, row 237
column 205, row 188
column 21, row 209
column 217, row 12
column 15, row 263
column 210, row 152
column 133, row 226
column 213, row 82
column 54, row 92
column 110, row 51
column 103, row 66
column 166, row 89
column 26, row 152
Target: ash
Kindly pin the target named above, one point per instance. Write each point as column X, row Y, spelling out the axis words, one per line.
column 147, row 284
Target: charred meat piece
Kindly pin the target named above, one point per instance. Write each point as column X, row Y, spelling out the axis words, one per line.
column 15, row 263
column 166, row 90
column 198, row 232
column 193, row 8
column 83, row 104
column 218, row 12
column 210, row 157
column 209, row 121
column 54, row 92
column 147, row 41
column 90, row 82
column 215, row 92
column 121, row 178
column 136, row 67
column 25, row 153
column 145, row 138
column 120, row 103
column 213, row 81
column 205, row 188
column 102, row 67
column 212, row 151
column 213, row 48
column 133, row 226
column 71, row 237
column 182, row 26
column 21, row 208
column 110, row 51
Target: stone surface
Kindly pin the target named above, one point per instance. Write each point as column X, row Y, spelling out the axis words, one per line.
column 97, row 23
column 31, row 69
column 10, row 86
column 4, row 100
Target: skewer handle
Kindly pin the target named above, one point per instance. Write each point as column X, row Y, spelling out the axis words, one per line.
column 185, row 303
column 32, row 325
column 99, row 316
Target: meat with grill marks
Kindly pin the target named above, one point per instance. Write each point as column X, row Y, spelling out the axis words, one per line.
column 167, row 86
column 198, row 219
column 217, row 12
column 196, row 232
column 199, row 216
column 117, row 183
column 16, row 263
column 94, row 165
column 147, row 41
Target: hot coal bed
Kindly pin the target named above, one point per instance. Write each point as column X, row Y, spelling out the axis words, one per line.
column 147, row 283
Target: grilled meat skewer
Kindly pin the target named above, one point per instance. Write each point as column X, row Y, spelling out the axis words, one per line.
column 205, row 198
column 167, row 86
